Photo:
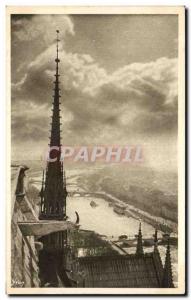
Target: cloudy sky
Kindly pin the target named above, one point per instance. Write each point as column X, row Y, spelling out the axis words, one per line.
column 118, row 82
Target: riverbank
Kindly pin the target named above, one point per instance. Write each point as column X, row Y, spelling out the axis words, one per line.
column 157, row 222
column 150, row 192
column 161, row 224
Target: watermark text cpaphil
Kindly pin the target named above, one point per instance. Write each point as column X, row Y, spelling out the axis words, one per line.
column 91, row 154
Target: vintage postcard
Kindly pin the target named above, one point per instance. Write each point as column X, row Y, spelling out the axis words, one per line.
column 96, row 150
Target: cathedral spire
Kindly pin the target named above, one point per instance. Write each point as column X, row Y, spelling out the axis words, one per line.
column 55, row 128
column 167, row 275
column 139, row 249
column 53, row 199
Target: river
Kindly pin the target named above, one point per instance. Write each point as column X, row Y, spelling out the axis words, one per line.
column 102, row 218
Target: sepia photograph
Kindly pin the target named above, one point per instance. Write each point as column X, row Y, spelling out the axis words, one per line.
column 96, row 150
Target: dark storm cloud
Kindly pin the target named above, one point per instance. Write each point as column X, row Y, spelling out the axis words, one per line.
column 96, row 99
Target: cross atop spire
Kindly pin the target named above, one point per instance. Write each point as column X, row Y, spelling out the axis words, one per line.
column 139, row 249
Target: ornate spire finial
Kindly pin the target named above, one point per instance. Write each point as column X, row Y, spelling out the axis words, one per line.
column 139, row 249
column 167, row 275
